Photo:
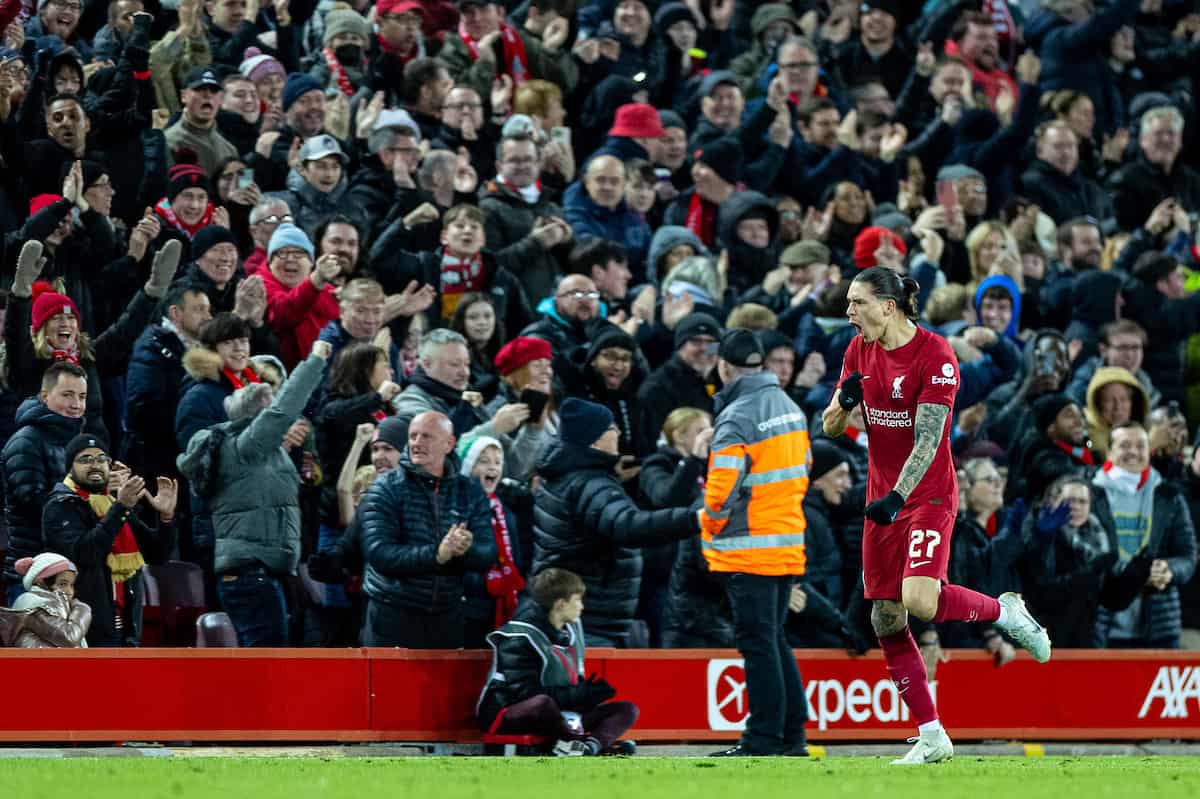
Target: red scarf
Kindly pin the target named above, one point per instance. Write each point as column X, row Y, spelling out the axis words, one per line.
column 339, row 72
column 240, row 381
column 516, row 63
column 819, row 90
column 503, row 580
column 70, row 356
column 164, row 210
column 458, row 278
column 702, row 219
column 1081, row 454
column 379, row 416
column 412, row 53
column 124, row 559
column 537, row 184
column 1108, row 465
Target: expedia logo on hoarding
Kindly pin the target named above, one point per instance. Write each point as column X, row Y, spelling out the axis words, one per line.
column 1176, row 687
column 830, row 702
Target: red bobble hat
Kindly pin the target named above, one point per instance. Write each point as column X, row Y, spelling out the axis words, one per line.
column 520, row 352
column 47, row 302
column 868, row 242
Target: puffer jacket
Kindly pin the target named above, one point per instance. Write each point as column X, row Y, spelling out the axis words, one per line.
column 621, row 224
column 404, row 517
column 586, row 523
column 1098, row 429
column 823, row 569
column 153, row 386
column 32, row 462
column 40, row 628
column 73, row 529
column 697, row 613
column 310, row 205
column 255, row 507
column 753, row 518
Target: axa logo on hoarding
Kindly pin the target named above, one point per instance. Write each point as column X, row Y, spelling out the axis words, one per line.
column 829, row 701
column 1176, row 687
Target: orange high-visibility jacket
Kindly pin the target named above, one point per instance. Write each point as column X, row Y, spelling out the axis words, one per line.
column 752, row 520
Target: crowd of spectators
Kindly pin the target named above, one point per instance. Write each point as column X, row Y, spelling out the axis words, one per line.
column 374, row 311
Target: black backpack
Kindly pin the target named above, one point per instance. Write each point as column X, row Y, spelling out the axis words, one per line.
column 204, row 479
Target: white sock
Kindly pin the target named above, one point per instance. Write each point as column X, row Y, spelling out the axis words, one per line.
column 1003, row 620
column 930, row 727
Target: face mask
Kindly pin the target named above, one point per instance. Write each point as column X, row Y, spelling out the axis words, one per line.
column 349, row 54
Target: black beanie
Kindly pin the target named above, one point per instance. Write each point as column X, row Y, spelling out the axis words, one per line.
column 723, row 156
column 1047, row 408
column 609, row 335
column 186, row 176
column 92, row 171
column 581, row 422
column 208, row 237
column 392, row 431
column 81, row 442
column 826, row 457
column 670, row 13
column 696, row 324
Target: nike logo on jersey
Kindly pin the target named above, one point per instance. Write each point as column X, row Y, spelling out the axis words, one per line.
column 918, row 563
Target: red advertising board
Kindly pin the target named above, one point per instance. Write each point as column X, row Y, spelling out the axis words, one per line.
column 404, row 695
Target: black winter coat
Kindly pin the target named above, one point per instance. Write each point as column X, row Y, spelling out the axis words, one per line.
column 1064, row 197
column 1140, row 186
column 32, row 462
column 153, row 386
column 823, row 568
column 586, row 523
column 338, row 419
column 404, row 517
column 673, row 385
column 72, row 529
column 508, row 221
column 697, row 614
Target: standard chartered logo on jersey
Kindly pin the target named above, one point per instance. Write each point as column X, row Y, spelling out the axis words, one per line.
column 829, row 701
column 878, row 417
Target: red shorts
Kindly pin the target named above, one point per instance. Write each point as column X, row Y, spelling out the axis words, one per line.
column 917, row 544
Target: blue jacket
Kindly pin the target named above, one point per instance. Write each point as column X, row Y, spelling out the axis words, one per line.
column 979, row 378
column 153, row 386
column 620, row 224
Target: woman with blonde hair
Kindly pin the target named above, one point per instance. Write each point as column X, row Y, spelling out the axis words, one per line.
column 992, row 250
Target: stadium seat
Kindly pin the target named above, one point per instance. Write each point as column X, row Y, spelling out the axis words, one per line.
column 152, row 620
column 215, row 631
column 512, row 744
column 181, row 591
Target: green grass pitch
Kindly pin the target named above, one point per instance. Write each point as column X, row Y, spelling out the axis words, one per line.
column 579, row 778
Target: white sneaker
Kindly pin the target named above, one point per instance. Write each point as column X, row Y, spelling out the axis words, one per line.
column 1023, row 628
column 569, row 749
column 932, row 748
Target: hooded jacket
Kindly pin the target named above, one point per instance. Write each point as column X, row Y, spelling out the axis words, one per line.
column 1008, row 284
column 665, row 239
column 1098, row 429
column 747, row 265
column 586, row 523
column 255, row 506
column 32, row 461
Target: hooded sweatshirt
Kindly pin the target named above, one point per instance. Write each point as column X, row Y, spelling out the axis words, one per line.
column 1008, row 284
column 1099, row 430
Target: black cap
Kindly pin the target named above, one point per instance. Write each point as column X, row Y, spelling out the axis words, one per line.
column 81, row 442
column 464, row 4
column 201, row 76
column 741, row 347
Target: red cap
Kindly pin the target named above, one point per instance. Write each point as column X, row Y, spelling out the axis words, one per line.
column 398, row 7
column 639, row 121
column 868, row 241
column 47, row 303
column 520, row 352
column 41, row 201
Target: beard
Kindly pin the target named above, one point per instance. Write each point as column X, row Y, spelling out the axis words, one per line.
column 92, row 481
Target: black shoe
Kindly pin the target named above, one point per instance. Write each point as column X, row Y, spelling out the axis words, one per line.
column 740, row 750
column 621, row 749
column 800, row 750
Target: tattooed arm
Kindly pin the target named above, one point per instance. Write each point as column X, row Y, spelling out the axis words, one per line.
column 927, row 435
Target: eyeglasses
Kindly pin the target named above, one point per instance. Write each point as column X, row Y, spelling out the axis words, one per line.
column 274, row 219
column 581, row 295
column 88, row 460
column 103, row 185
column 463, row 106
column 290, row 255
column 617, row 357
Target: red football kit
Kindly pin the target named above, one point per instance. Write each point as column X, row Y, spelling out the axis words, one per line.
column 895, row 382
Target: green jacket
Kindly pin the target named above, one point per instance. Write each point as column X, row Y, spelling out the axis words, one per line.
column 558, row 68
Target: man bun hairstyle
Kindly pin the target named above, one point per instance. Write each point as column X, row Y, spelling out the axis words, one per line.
column 887, row 285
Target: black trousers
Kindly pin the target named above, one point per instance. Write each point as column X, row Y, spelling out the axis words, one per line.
column 388, row 625
column 778, row 707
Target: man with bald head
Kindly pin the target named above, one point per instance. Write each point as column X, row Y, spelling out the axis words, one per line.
column 424, row 526
column 595, row 208
column 567, row 314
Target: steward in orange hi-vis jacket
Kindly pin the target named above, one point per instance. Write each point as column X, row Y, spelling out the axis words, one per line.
column 752, row 533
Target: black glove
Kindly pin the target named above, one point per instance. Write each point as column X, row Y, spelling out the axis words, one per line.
column 326, row 567
column 855, row 644
column 884, row 511
column 596, row 690
column 851, row 391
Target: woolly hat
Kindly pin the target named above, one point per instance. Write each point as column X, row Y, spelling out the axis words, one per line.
column 806, row 252
column 185, row 176
column 637, row 120
column 669, row 14
column 696, row 324
column 298, row 84
column 392, row 431
column 607, row 336
column 767, row 13
column 741, row 347
column 723, row 156
column 397, row 118
column 825, row 458
column 958, row 172
column 44, row 566
column 471, row 447
column 1047, row 408
column 92, row 172
column 718, row 77
column 869, row 240
column 582, row 423
column 670, row 119
column 288, row 235
column 41, row 201
column 47, row 302
column 343, row 19
column 887, row 6
column 81, row 442
column 208, row 237
column 521, row 351
column 259, row 66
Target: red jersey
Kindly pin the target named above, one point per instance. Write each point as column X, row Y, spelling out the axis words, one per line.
column 924, row 370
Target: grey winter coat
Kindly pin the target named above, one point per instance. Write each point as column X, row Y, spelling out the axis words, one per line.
column 255, row 508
